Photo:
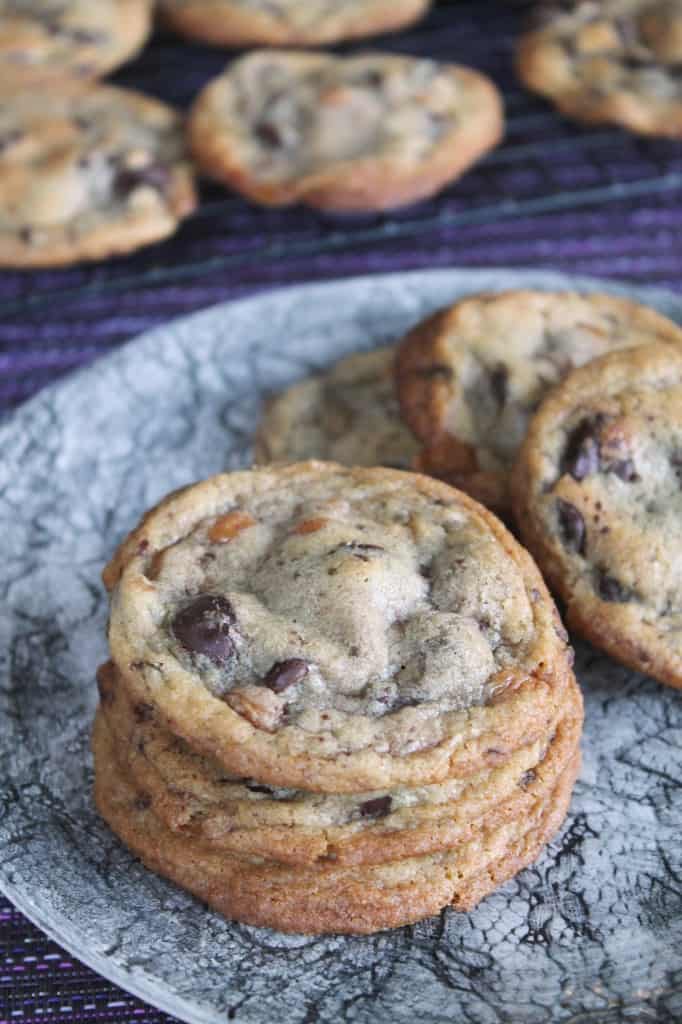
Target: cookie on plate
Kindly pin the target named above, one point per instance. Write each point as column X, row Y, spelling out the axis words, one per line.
column 347, row 414
column 336, row 629
column 342, row 133
column 191, row 794
column 43, row 42
column 470, row 377
column 598, row 499
column 288, row 22
column 614, row 61
column 87, row 172
column 329, row 897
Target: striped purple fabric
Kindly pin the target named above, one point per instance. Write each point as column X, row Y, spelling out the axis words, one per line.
column 595, row 201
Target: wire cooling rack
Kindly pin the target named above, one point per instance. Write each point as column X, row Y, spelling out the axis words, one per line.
column 553, row 192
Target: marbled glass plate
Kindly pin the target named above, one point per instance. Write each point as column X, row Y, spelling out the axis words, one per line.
column 593, row 932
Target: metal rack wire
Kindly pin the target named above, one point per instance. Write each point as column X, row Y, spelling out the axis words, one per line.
column 546, row 166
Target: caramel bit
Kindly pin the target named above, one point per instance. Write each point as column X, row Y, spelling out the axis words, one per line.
column 260, row 706
column 310, row 525
column 228, row 526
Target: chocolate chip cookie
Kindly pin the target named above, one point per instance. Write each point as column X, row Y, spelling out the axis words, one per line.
column 87, row 172
column 471, row 376
column 614, row 61
column 45, row 41
column 329, row 897
column 288, row 22
column 348, row 414
column 342, row 133
column 598, row 499
column 336, row 629
column 192, row 794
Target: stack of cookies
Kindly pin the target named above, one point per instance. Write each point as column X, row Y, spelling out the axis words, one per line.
column 338, row 700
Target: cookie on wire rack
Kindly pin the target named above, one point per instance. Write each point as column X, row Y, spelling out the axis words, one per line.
column 87, row 172
column 244, row 23
column 609, row 61
column 43, row 42
column 355, row 133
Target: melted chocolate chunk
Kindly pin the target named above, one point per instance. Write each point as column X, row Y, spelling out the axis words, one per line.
column 581, row 456
column 85, row 37
column 268, row 133
column 499, row 383
column 571, row 526
column 9, row 139
column 527, row 778
column 154, row 176
column 611, row 589
column 625, row 469
column 143, row 712
column 203, row 627
column 676, row 463
column 377, row 808
column 284, row 674
column 372, row 78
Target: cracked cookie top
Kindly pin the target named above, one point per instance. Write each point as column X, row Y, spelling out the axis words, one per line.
column 288, row 22
column 347, row 414
column 471, row 376
column 48, row 40
column 317, row 615
column 345, row 133
column 609, row 61
column 598, row 497
column 88, row 171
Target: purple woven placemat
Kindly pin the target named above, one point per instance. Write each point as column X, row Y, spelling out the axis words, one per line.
column 595, row 201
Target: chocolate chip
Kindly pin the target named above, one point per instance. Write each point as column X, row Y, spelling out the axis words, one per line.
column 499, row 383
column 284, row 674
column 203, row 627
column 571, row 526
column 370, row 79
column 9, row 139
column 527, row 778
column 624, row 469
column 611, row 589
column 86, row 37
column 676, row 463
column 154, row 176
column 142, row 802
column 377, row 808
column 269, row 134
column 627, row 31
column 581, row 456
column 143, row 712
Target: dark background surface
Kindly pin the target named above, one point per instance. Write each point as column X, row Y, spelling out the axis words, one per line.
column 592, row 201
